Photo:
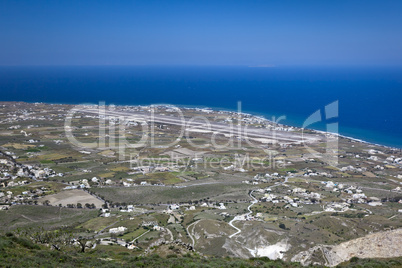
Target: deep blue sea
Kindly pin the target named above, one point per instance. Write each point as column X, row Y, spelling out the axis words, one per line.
column 370, row 98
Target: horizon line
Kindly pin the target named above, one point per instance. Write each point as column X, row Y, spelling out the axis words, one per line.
column 264, row 66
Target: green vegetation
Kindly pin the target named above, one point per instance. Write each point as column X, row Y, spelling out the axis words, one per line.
column 36, row 216
column 183, row 193
column 21, row 252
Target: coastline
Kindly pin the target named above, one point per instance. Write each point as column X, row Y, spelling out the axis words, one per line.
column 224, row 110
column 310, row 129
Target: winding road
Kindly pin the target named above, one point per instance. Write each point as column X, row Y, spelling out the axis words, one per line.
column 188, row 231
column 240, row 217
column 254, row 201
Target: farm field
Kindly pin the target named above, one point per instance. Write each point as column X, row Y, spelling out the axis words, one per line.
column 66, row 197
column 246, row 199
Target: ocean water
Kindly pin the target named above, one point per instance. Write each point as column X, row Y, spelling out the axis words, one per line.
column 370, row 98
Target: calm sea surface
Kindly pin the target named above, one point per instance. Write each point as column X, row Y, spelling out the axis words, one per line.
column 370, row 99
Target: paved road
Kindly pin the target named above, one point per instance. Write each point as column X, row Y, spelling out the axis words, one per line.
column 236, row 218
column 140, row 236
column 254, row 201
column 110, row 225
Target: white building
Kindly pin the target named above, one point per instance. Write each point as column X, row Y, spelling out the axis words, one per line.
column 120, row 229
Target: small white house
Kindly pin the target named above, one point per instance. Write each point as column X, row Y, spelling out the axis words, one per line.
column 120, row 229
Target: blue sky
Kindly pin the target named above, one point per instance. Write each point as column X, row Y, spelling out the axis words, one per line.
column 201, row 32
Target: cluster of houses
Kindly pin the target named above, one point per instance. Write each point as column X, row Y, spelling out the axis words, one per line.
column 87, row 183
column 11, row 170
column 337, row 207
column 394, row 160
column 353, row 169
column 257, row 179
column 311, row 173
column 121, row 230
column 13, row 174
column 308, row 197
column 130, row 183
column 389, row 162
column 105, row 212
column 152, row 168
column 235, row 168
column 26, row 197
column 117, row 230
column 248, row 119
column 355, row 194
column 28, row 115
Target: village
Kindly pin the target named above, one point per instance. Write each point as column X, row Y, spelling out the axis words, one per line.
column 193, row 197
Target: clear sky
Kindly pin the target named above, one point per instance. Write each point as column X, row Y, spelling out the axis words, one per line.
column 189, row 32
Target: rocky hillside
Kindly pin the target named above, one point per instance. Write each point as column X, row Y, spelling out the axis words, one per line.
column 378, row 245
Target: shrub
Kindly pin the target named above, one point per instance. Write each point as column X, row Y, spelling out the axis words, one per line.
column 25, row 242
column 354, row 259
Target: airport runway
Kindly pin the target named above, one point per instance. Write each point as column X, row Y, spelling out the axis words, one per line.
column 239, row 131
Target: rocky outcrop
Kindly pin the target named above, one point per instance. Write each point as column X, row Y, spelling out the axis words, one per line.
column 386, row 244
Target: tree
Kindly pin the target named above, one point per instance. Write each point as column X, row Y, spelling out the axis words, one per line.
column 83, row 243
column 58, row 239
